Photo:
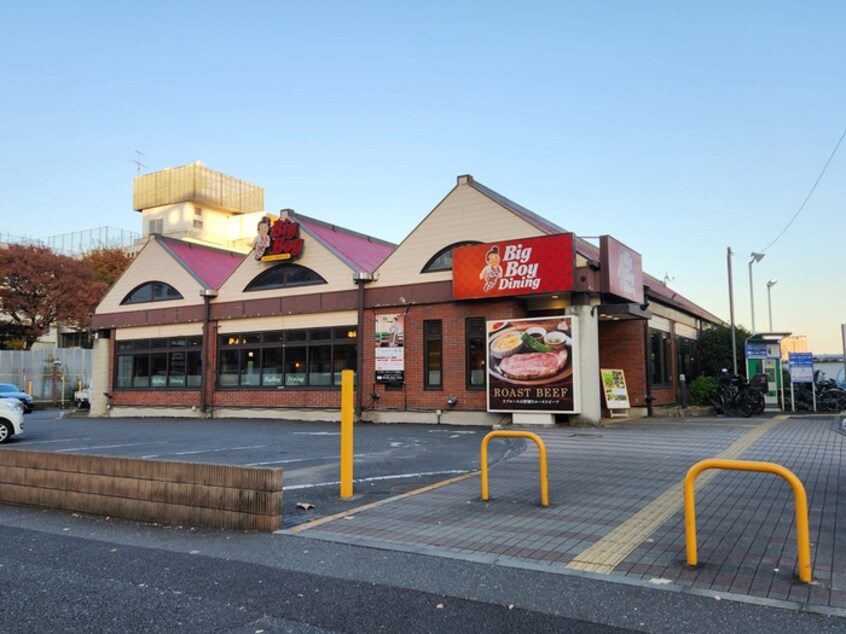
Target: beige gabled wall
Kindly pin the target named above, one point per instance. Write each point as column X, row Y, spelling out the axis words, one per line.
column 153, row 264
column 338, row 275
column 464, row 215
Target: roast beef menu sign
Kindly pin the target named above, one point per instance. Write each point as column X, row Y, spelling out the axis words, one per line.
column 515, row 267
column 533, row 365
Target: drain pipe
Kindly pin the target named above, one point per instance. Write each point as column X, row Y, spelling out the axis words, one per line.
column 207, row 294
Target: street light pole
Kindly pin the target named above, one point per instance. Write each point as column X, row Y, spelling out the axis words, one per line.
column 731, row 316
column 770, row 285
column 756, row 257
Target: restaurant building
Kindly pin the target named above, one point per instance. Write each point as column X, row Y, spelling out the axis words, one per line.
column 487, row 313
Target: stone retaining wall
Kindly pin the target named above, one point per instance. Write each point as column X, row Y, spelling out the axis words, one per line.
column 163, row 492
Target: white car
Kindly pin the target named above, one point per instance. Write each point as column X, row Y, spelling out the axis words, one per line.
column 11, row 419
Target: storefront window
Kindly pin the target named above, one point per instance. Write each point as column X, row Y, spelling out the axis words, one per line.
column 660, row 360
column 687, row 359
column 433, row 354
column 158, row 363
column 475, row 346
column 295, row 366
column 286, row 358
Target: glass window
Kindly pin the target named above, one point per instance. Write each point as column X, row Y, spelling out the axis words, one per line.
column 660, row 360
column 295, row 366
column 432, row 354
column 159, row 363
column 193, row 369
column 345, row 359
column 228, row 364
column 272, row 363
column 442, row 260
column 282, row 276
column 141, row 371
column 151, row 292
column 123, row 376
column 292, row 358
column 686, row 356
column 474, row 345
column 320, row 365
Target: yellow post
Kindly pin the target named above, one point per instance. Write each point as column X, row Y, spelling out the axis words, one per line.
column 803, row 539
column 544, row 480
column 347, row 433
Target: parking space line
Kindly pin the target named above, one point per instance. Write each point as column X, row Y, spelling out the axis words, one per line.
column 607, row 553
column 400, row 476
column 365, row 507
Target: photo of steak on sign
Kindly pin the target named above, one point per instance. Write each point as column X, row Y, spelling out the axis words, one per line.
column 531, row 365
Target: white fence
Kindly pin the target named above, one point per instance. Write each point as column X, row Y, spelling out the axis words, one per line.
column 51, row 375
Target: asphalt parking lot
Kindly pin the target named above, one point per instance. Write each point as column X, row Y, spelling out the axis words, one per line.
column 388, row 459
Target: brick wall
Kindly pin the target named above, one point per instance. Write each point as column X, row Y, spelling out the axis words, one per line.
column 622, row 346
column 414, row 395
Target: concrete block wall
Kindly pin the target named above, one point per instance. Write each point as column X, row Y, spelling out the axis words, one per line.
column 163, row 492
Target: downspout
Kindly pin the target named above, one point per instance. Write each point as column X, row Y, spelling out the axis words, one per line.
column 360, row 278
column 207, row 294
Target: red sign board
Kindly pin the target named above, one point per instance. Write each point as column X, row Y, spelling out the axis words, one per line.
column 622, row 270
column 281, row 241
column 514, row 267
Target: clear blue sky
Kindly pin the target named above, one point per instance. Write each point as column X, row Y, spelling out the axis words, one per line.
column 680, row 128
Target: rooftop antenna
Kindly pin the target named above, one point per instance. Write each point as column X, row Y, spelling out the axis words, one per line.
column 137, row 161
column 667, row 278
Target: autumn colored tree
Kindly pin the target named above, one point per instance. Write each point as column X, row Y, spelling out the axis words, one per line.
column 40, row 289
column 107, row 264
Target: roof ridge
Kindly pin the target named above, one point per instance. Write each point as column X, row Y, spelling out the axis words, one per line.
column 340, row 229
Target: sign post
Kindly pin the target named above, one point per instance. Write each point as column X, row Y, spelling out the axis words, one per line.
column 801, row 366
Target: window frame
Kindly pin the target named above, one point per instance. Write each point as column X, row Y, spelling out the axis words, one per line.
column 660, row 358
column 285, row 358
column 264, row 281
column 433, row 344
column 135, row 360
column 152, row 285
column 475, row 352
column 431, row 265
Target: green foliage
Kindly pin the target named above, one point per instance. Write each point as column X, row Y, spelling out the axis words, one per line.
column 714, row 349
column 700, row 389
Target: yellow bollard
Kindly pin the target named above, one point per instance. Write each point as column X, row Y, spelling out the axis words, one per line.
column 347, row 378
column 803, row 539
column 544, row 480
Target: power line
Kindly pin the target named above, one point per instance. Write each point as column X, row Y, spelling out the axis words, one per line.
column 808, row 197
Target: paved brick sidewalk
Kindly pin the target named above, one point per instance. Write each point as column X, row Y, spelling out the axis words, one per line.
column 616, row 510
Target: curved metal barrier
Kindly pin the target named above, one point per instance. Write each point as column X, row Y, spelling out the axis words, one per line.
column 516, row 434
column 803, row 542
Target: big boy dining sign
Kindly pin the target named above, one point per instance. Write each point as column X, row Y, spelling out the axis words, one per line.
column 513, row 267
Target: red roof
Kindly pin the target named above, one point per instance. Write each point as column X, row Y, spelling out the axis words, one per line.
column 210, row 266
column 359, row 251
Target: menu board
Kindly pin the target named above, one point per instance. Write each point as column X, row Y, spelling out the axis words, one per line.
column 532, row 365
column 614, row 389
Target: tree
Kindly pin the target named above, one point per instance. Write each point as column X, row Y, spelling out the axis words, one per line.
column 40, row 289
column 714, row 349
column 107, row 264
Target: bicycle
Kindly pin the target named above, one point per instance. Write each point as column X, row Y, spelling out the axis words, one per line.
column 734, row 396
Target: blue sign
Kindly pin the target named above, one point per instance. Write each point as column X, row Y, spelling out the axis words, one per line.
column 801, row 367
column 756, row 350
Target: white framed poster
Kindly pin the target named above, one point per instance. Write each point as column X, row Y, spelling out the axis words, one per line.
column 614, row 389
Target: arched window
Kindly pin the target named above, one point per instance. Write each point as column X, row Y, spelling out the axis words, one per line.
column 442, row 260
column 151, row 292
column 284, row 276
